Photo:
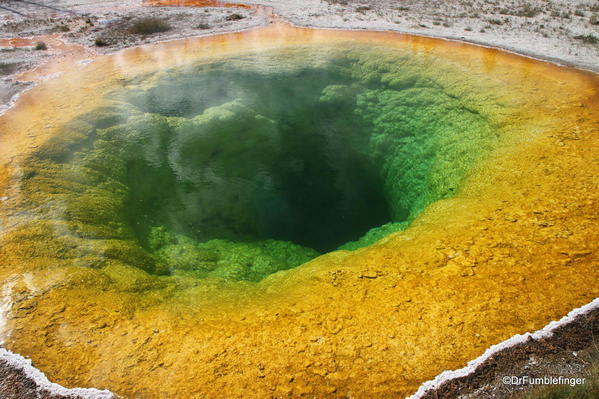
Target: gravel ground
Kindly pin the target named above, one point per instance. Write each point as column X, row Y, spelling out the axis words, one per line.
column 14, row 384
column 571, row 352
column 114, row 27
column 19, row 379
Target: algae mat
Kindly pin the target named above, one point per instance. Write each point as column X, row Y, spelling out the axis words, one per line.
column 290, row 212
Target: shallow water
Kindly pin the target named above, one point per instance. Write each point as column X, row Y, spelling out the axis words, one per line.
column 160, row 205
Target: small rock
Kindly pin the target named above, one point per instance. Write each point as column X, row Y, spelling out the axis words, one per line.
column 369, row 274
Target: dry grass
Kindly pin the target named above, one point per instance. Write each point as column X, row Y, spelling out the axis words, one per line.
column 588, row 390
column 148, row 26
column 591, row 39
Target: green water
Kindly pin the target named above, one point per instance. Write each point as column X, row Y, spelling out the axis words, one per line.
column 243, row 167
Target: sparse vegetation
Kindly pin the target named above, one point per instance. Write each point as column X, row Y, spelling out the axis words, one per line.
column 594, row 20
column 526, row 10
column 591, row 39
column 529, row 11
column 7, row 68
column 41, row 46
column 588, row 390
column 99, row 42
column 203, row 26
column 148, row 26
column 234, row 17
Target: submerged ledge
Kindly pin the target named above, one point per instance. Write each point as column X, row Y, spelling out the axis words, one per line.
column 26, row 373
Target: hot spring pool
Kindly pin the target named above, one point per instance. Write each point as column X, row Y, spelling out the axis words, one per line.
column 292, row 212
column 245, row 166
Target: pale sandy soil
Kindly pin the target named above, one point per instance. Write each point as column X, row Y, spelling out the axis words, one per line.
column 89, row 21
column 111, row 24
column 545, row 29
